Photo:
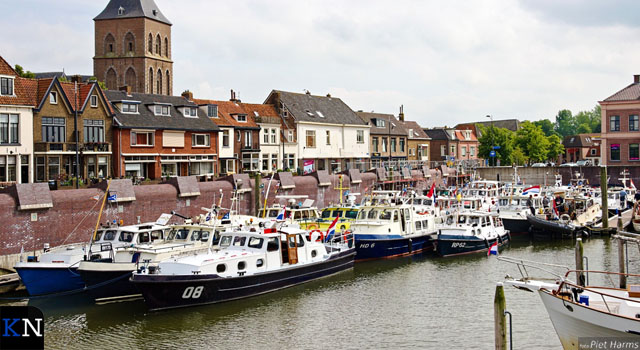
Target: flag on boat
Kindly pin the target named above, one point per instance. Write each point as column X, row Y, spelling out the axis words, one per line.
column 332, row 229
column 531, row 190
column 208, row 217
column 113, row 197
column 432, row 190
column 226, row 216
column 282, row 215
column 493, row 250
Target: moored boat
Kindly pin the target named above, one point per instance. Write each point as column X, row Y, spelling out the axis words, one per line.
column 468, row 232
column 575, row 215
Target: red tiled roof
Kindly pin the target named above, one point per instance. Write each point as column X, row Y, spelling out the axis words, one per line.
column 460, row 136
column 225, row 111
column 417, row 132
column 25, row 91
column 629, row 93
column 43, row 86
column 5, row 68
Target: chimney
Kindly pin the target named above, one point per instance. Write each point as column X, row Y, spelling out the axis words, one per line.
column 188, row 95
column 308, row 92
column 125, row 88
column 76, row 79
column 401, row 115
column 636, row 79
column 329, row 95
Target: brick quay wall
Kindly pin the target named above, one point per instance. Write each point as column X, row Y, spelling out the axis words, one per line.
column 537, row 176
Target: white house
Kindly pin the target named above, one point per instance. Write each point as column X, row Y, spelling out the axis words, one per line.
column 17, row 100
column 329, row 135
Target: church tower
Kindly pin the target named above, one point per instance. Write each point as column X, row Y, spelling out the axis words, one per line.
column 133, row 47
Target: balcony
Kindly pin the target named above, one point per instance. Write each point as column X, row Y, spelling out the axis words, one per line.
column 253, row 147
column 71, row 147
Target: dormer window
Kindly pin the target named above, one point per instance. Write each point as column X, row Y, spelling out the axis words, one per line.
column 212, row 111
column 190, row 111
column 128, row 107
column 120, row 11
column 241, row 118
column 161, row 110
column 6, row 86
column 94, row 101
column 53, row 98
column 380, row 123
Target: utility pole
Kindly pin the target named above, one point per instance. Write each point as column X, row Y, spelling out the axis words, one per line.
column 75, row 130
column 492, row 140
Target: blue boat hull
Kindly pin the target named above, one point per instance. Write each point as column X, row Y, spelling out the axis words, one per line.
column 40, row 281
column 369, row 247
column 461, row 245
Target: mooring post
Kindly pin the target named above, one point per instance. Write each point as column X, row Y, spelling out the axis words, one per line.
column 621, row 265
column 500, row 323
column 603, row 196
column 579, row 262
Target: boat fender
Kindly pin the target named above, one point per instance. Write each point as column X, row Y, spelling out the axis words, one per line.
column 321, row 238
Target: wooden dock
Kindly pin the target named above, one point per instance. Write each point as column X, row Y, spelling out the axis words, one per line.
column 613, row 221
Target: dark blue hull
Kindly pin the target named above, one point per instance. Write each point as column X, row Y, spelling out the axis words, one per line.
column 40, row 281
column 516, row 225
column 106, row 286
column 461, row 245
column 370, row 247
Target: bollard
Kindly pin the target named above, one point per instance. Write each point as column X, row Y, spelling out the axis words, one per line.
column 500, row 324
column 579, row 262
column 603, row 195
column 621, row 267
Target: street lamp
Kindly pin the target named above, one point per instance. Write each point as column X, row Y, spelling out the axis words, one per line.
column 492, row 138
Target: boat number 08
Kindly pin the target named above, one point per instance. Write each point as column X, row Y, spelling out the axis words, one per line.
column 192, row 292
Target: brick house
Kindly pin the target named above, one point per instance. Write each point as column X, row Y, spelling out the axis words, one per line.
column 157, row 135
column 467, row 145
column 54, row 125
column 327, row 133
column 133, row 47
column 418, row 143
column 240, row 135
column 17, row 100
column 443, row 144
column 388, row 137
column 620, row 133
column 581, row 147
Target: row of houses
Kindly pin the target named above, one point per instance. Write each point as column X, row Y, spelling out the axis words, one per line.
column 49, row 128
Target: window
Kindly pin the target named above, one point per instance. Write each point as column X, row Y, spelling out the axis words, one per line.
column 380, row 123
column 614, row 123
column 212, row 111
column 251, row 162
column 200, row 140
column 615, row 151
column 374, row 144
column 360, row 136
column 328, row 137
column 225, row 138
column 40, row 167
column 402, row 145
column 166, row 46
column 94, row 101
column 142, row 138
column 453, row 150
column 239, row 135
column 129, row 108
column 53, row 129
column 290, row 160
column 593, row 151
column 102, row 166
column 443, row 150
column 190, row 112
column 273, row 136
column 9, row 128
column 93, row 130
column 6, row 86
column 633, row 123
column 54, row 167
column 384, row 144
column 120, row 11
column 255, row 242
column 265, row 138
column 311, row 138
column 53, row 97
column 290, row 136
column 161, row 110
column 472, row 151
column 463, row 151
column 150, row 44
column 393, row 144
column 201, row 168
column 158, row 45
column 241, row 118
column 265, row 162
column 634, row 152
column 247, row 139
column 91, row 167
column 412, row 151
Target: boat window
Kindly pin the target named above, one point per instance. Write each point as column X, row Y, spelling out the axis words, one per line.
column 195, row 235
column 363, row 214
column 292, row 241
column 503, row 202
column 242, row 265
column 273, row 213
column 351, row 214
column 418, row 225
column 373, row 214
column 158, row 234
column 337, row 214
column 314, row 253
column 385, row 214
column 482, row 193
column 296, row 215
column 326, row 213
column 204, row 235
column 221, row 268
column 300, row 241
column 427, row 202
column 109, row 235
column 462, row 219
column 97, row 236
column 239, row 241
column 255, row 242
column 395, row 216
column 225, row 241
column 474, row 220
column 125, row 237
column 143, row 237
column 272, row 244
column 485, row 221
column 259, row 263
column 182, row 233
column 425, row 224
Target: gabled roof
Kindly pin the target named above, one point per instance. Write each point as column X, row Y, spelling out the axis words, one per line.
column 460, row 135
column 305, row 107
column 629, row 93
column 132, row 9
column 68, row 94
column 227, row 110
column 6, row 69
column 581, row 140
column 439, row 134
column 417, row 133
column 24, row 90
column 394, row 128
column 146, row 118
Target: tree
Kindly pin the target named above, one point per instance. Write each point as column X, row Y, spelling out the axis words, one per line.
column 546, row 125
column 583, row 128
column 22, row 73
column 501, row 137
column 518, row 157
column 532, row 142
column 555, row 147
column 565, row 123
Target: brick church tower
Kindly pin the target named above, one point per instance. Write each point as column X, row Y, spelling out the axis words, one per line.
column 133, row 47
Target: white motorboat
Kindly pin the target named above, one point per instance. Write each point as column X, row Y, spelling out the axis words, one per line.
column 469, row 231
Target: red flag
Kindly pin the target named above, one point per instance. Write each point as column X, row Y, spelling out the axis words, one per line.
column 433, row 187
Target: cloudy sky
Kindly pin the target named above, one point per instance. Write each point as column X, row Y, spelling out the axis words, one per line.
column 446, row 61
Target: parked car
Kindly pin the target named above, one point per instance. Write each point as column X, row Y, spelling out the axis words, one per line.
column 568, row 164
column 538, row 165
column 584, row 162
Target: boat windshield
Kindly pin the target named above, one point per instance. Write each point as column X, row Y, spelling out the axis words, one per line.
column 225, row 241
column 180, row 234
column 125, row 237
column 337, row 214
column 239, row 241
column 474, row 220
column 273, row 213
column 351, row 214
column 200, row 235
column 326, row 213
column 109, row 235
column 373, row 214
column 255, row 242
column 385, row 214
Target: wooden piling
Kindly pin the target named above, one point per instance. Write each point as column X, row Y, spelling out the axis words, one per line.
column 579, row 262
column 500, row 320
column 603, row 196
column 621, row 265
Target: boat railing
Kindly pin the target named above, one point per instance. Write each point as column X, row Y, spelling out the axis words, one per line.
column 340, row 238
column 523, row 264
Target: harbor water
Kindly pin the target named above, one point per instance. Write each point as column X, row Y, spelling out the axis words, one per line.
column 410, row 303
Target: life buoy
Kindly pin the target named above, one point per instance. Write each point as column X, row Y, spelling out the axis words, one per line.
column 312, row 227
column 321, row 235
column 565, row 218
column 345, row 234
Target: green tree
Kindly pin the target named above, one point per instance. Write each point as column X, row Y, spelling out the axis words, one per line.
column 501, row 137
column 565, row 123
column 583, row 128
column 532, row 142
column 518, row 157
column 22, row 73
column 555, row 147
column 546, row 125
